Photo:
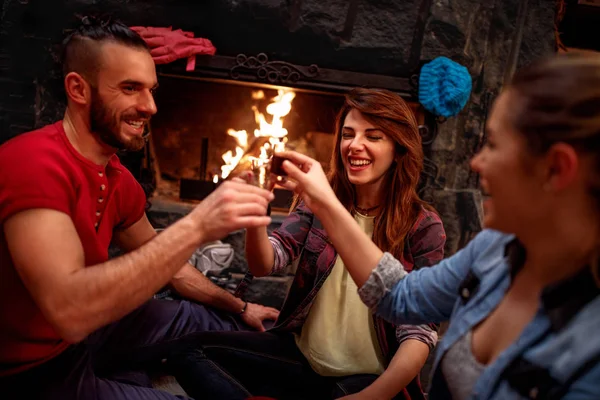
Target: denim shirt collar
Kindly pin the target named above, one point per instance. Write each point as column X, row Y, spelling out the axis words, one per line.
column 561, row 300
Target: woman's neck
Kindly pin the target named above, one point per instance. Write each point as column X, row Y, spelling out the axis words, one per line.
column 368, row 196
column 561, row 250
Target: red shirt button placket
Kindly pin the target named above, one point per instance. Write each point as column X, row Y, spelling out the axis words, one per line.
column 100, row 201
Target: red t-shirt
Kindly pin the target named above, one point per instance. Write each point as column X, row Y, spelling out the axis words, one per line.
column 41, row 169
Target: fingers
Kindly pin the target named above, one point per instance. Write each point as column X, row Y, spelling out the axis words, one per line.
column 254, row 323
column 290, row 185
column 244, row 177
column 252, row 222
column 271, row 182
column 250, row 209
column 272, row 313
column 245, row 188
column 294, row 172
column 245, row 222
column 296, row 157
column 241, row 188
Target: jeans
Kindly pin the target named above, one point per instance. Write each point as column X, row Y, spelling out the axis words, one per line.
column 237, row 365
column 106, row 364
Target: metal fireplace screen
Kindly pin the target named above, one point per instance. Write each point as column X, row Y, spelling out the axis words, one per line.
column 230, row 109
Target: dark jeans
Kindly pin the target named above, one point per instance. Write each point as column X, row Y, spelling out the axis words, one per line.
column 236, row 365
column 101, row 367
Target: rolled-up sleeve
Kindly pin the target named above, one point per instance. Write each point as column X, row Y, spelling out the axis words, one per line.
column 427, row 295
column 281, row 257
column 384, row 277
column 288, row 240
column 423, row 333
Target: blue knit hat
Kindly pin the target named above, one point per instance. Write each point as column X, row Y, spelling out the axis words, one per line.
column 444, row 87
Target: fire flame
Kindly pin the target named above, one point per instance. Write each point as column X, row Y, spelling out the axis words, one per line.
column 240, row 136
column 231, row 161
column 278, row 109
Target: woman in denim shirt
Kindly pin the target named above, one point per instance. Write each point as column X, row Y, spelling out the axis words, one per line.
column 522, row 297
column 326, row 342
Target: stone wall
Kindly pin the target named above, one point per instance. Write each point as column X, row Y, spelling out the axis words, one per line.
column 479, row 35
column 377, row 36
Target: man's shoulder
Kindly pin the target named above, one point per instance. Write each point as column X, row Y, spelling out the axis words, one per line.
column 45, row 142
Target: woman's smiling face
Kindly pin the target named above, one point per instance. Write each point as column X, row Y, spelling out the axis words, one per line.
column 366, row 151
column 513, row 190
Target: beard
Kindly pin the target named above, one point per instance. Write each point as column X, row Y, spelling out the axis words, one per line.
column 107, row 126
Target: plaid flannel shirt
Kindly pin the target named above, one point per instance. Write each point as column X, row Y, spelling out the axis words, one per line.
column 302, row 236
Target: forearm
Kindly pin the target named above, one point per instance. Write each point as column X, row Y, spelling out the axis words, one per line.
column 405, row 366
column 192, row 284
column 359, row 253
column 102, row 293
column 259, row 251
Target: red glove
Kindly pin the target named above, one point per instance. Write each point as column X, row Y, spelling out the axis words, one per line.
column 167, row 45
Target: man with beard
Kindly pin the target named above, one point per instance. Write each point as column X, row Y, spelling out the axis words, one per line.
column 71, row 317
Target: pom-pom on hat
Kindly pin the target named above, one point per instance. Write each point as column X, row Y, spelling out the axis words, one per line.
column 444, row 87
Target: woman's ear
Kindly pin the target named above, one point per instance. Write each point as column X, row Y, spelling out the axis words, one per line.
column 562, row 166
column 77, row 88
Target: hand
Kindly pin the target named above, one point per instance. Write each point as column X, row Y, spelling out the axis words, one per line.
column 307, row 179
column 250, row 178
column 243, row 177
column 255, row 314
column 232, row 206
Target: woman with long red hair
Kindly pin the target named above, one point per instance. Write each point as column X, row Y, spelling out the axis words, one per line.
column 522, row 298
column 326, row 343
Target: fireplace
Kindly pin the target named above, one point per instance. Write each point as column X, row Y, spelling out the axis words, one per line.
column 229, row 113
column 208, row 130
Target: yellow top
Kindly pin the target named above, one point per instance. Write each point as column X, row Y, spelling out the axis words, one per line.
column 338, row 337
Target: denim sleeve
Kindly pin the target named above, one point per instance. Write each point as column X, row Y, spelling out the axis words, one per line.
column 587, row 387
column 423, row 296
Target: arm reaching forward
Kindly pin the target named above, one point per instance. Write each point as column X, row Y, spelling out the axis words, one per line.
column 426, row 295
column 78, row 299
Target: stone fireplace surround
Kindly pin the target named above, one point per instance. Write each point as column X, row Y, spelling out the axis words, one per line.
column 386, row 39
column 379, row 43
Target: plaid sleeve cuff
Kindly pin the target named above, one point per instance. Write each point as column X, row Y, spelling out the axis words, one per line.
column 383, row 278
column 422, row 333
column 281, row 257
